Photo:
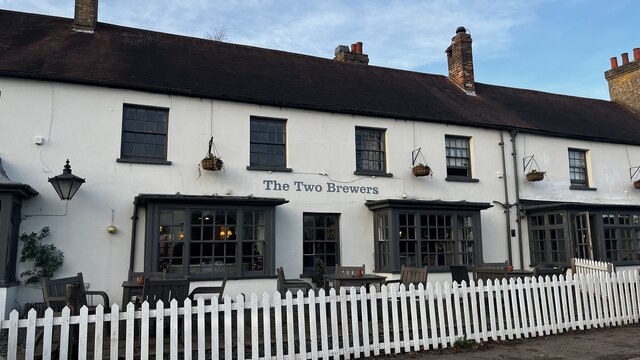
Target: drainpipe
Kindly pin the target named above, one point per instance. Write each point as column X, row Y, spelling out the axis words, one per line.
column 134, row 221
column 506, row 205
column 517, row 203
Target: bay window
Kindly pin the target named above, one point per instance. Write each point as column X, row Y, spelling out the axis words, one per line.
column 206, row 238
column 426, row 233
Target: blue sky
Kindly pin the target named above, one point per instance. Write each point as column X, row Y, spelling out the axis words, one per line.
column 549, row 45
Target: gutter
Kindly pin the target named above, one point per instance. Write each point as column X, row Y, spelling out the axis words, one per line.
column 517, row 203
column 506, row 206
column 134, row 222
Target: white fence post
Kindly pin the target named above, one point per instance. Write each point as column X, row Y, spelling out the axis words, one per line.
column 356, row 323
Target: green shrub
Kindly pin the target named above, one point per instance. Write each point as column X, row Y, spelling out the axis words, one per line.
column 464, row 343
column 319, row 272
column 46, row 258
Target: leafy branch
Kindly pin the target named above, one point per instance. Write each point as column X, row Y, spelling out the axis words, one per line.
column 46, row 258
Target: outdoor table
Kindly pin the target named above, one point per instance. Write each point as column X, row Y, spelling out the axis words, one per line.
column 519, row 274
column 339, row 280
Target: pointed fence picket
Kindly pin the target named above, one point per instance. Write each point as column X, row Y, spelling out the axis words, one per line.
column 321, row 325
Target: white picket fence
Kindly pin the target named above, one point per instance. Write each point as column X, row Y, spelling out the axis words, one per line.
column 586, row 266
column 350, row 324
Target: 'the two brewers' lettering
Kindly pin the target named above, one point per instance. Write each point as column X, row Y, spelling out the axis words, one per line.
column 329, row 187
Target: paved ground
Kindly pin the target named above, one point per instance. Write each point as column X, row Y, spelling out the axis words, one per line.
column 619, row 343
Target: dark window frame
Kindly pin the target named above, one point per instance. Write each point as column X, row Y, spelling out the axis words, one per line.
column 599, row 233
column 394, row 213
column 278, row 145
column 629, row 244
column 371, row 154
column 306, row 269
column 452, row 154
column 152, row 243
column 578, row 166
column 549, row 230
column 158, row 133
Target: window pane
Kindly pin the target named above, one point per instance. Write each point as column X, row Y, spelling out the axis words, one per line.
column 578, row 167
column 370, row 150
column 144, row 133
column 267, row 142
column 621, row 237
column 547, row 238
column 320, row 240
column 171, row 238
column 458, row 158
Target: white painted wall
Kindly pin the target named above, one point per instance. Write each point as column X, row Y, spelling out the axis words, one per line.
column 83, row 124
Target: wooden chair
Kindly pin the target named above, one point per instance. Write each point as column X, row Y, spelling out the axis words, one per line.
column 411, row 275
column 492, row 273
column 545, row 269
column 165, row 290
column 209, row 290
column 292, row 285
column 133, row 275
column 55, row 294
column 459, row 274
column 349, row 270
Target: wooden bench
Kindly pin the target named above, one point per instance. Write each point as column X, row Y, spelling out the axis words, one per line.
column 411, row 275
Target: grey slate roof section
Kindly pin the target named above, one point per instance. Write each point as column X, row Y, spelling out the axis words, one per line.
column 45, row 48
column 8, row 185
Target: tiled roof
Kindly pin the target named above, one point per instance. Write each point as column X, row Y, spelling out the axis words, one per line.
column 44, row 47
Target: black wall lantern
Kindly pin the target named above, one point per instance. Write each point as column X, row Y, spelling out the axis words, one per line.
column 66, row 184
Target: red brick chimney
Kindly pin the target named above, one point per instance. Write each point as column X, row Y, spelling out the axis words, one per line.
column 355, row 56
column 624, row 81
column 86, row 15
column 460, row 61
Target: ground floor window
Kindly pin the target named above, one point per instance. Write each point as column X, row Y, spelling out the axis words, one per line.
column 621, row 236
column 584, row 231
column 426, row 233
column 547, row 238
column 208, row 240
column 436, row 239
column 320, row 241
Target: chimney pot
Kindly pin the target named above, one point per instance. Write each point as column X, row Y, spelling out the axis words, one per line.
column 623, row 82
column 614, row 62
column 355, row 56
column 625, row 58
column 636, row 54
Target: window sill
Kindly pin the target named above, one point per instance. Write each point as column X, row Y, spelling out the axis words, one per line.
column 144, row 161
column 582, row 187
column 372, row 173
column 269, row 168
column 461, row 179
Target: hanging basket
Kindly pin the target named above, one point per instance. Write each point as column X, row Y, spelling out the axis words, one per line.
column 421, row 170
column 212, row 163
column 535, row 175
column 636, row 184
